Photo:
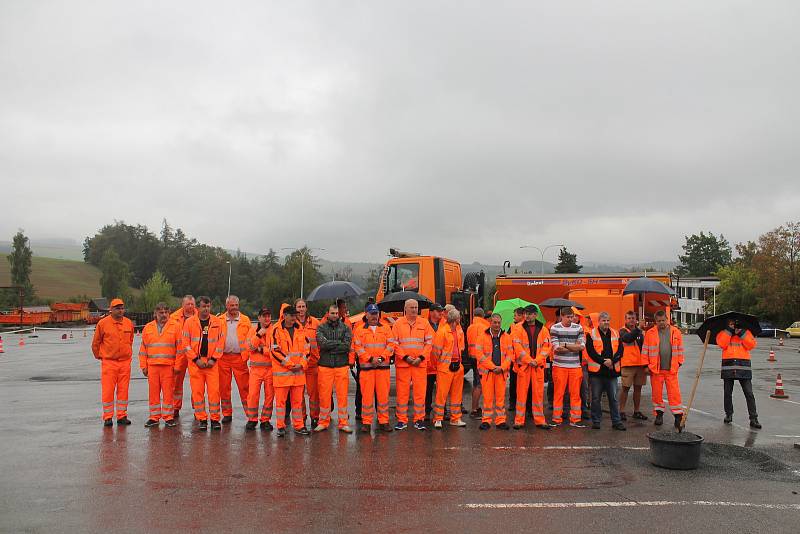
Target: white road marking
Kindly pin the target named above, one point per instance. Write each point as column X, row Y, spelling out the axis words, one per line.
column 552, row 448
column 783, row 436
column 620, row 504
column 740, row 427
column 787, row 400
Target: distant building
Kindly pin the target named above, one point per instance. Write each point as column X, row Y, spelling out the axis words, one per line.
column 694, row 293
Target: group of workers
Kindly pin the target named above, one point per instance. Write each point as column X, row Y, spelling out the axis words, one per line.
column 298, row 357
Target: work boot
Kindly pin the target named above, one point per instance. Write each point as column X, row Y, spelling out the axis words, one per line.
column 215, row 425
column 385, row 427
column 150, row 422
column 638, row 415
column 623, row 416
column 516, row 426
column 320, row 428
column 203, row 425
column 419, row 425
column 314, row 422
column 123, row 421
column 619, row 426
column 400, row 426
column 728, row 418
column 484, row 426
column 577, row 425
column 266, row 426
column 227, row 419
column 503, row 426
column 346, row 429
column 678, row 418
column 754, row 423
column 281, row 432
column 302, row 431
column 170, row 423
column 176, row 414
column 659, row 419
column 595, row 426
column 250, row 425
column 108, row 422
column 545, row 426
column 476, row 414
column 437, row 425
column 365, row 429
column 458, row 423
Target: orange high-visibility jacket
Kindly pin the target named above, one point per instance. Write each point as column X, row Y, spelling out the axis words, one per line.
column 651, row 345
column 113, row 340
column 259, row 350
column 310, row 328
column 735, row 347
column 177, row 316
column 193, row 337
column 160, row 348
column 369, row 346
column 242, row 332
column 523, row 355
column 597, row 342
column 287, row 351
column 631, row 354
column 474, row 333
column 412, row 341
column 485, row 347
column 447, row 347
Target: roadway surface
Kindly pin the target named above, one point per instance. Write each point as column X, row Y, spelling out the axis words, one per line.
column 62, row 471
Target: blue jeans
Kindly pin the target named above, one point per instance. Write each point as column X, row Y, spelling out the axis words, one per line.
column 599, row 385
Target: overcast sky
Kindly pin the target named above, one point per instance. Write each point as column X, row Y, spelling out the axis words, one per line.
column 463, row 129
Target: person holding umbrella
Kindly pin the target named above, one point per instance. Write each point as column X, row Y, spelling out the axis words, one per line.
column 663, row 346
column 736, row 342
column 634, row 366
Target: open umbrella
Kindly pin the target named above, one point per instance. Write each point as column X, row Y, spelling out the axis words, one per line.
column 718, row 323
column 640, row 286
column 338, row 289
column 395, row 302
column 561, row 303
column 506, row 310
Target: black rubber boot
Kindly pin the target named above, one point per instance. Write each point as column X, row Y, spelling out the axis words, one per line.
column 659, row 419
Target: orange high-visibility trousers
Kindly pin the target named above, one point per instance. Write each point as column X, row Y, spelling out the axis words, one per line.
column 405, row 377
column 657, row 381
column 532, row 379
column 204, row 381
column 312, row 389
column 281, row 393
column 449, row 384
column 161, row 383
column 177, row 391
column 115, row 377
column 567, row 379
column 374, row 382
column 232, row 365
column 260, row 376
column 333, row 379
column 494, row 398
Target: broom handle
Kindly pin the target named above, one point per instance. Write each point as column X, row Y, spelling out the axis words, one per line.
column 696, row 380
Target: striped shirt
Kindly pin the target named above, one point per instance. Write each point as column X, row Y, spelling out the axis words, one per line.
column 560, row 335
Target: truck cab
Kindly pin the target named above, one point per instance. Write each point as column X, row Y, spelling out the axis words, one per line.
column 432, row 276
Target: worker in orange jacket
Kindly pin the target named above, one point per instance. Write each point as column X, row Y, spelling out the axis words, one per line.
column 435, row 320
column 374, row 346
column 736, row 343
column 531, row 343
column 448, row 348
column 290, row 350
column 309, row 325
column 112, row 344
column 233, row 364
column 474, row 333
column 634, row 366
column 203, row 341
column 414, row 337
column 259, row 354
column 495, row 352
column 162, row 342
column 663, row 346
column 179, row 317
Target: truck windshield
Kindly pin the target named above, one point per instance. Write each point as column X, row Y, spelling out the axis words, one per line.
column 402, row 277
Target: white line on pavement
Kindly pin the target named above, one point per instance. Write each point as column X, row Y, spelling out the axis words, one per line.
column 619, row 504
column 553, row 448
column 789, row 401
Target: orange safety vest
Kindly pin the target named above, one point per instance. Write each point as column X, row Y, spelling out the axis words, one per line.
column 735, row 347
column 485, row 348
column 369, row 346
column 523, row 355
column 258, row 347
column 160, row 348
column 631, row 354
column 243, row 328
column 289, row 350
column 474, row 333
column 650, row 349
column 413, row 341
column 193, row 337
column 597, row 342
column 447, row 347
column 310, row 329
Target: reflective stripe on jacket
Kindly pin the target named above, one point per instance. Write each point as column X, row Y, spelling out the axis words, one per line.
column 597, row 343
column 736, row 354
column 447, row 347
column 369, row 346
column 243, row 328
column 485, row 347
column 193, row 337
column 524, row 355
column 412, row 341
column 160, row 348
column 289, row 350
column 652, row 343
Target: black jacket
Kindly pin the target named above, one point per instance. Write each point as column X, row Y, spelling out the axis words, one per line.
column 333, row 340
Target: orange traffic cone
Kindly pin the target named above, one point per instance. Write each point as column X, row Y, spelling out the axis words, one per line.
column 771, row 356
column 21, row 341
column 1, row 345
column 779, row 393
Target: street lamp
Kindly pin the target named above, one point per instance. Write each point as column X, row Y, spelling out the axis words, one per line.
column 230, row 267
column 303, row 253
column 542, row 251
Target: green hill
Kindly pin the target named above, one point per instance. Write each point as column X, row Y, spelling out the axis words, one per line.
column 58, row 279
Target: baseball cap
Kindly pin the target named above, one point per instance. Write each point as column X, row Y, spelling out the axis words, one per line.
column 116, row 302
column 436, row 307
column 265, row 311
column 372, row 308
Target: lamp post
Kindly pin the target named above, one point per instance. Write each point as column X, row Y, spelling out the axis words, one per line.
column 304, row 251
column 230, row 267
column 542, row 251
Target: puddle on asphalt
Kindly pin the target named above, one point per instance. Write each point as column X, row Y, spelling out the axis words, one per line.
column 63, row 379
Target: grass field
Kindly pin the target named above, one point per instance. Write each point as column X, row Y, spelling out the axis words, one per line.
column 58, row 279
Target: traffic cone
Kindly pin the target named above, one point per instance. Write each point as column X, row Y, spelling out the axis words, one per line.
column 70, row 334
column 63, row 337
column 1, row 345
column 771, row 356
column 779, row 393
column 21, row 341
column 84, row 333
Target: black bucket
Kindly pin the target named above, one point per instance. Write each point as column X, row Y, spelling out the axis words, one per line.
column 675, row 451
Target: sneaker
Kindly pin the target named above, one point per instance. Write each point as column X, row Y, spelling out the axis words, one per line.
column 266, row 426
column 227, row 419
column 320, row 428
column 728, row 419
column 437, row 425
column 302, row 431
column 577, row 425
column 215, row 425
column 346, row 429
column 203, row 425
column 659, row 419
column 400, row 426
column 619, row 426
column 485, row 426
column 108, row 422
column 170, row 423
column 516, row 426
column 638, row 415
column 625, row 417
column 281, row 432
column 502, row 426
column 365, row 429
column 419, row 425
column 595, row 426
column 458, row 423
column 150, row 422
column 123, row 421
column 545, row 426
column 385, row 427
column 250, row 425
column 754, row 423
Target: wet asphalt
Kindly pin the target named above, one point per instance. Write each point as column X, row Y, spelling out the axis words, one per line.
column 62, row 471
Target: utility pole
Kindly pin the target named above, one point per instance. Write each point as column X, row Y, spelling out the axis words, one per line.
column 542, row 251
column 304, row 251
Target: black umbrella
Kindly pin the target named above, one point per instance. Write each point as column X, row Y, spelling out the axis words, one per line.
column 639, row 286
column 395, row 302
column 561, row 303
column 338, row 289
column 718, row 323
